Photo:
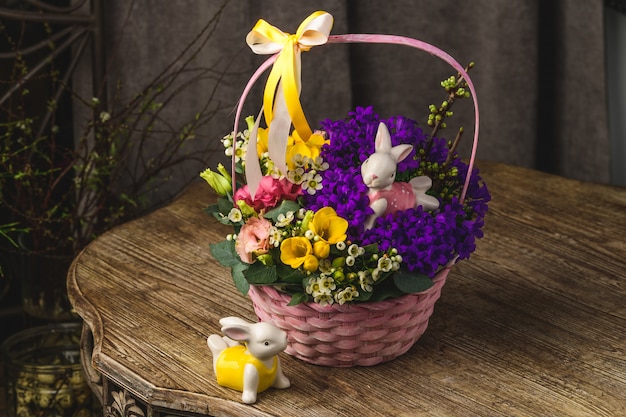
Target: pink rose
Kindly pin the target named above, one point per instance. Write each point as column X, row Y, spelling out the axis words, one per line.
column 270, row 193
column 253, row 239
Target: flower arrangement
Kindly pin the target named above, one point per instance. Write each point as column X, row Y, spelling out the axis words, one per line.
column 309, row 226
column 304, row 230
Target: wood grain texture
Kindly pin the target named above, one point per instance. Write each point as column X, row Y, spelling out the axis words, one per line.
column 532, row 325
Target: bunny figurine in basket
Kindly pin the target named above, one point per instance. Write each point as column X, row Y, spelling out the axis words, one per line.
column 251, row 366
column 379, row 173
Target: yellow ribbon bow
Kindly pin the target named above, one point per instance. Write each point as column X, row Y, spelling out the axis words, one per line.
column 281, row 97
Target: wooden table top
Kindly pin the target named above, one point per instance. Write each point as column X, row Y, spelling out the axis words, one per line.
column 534, row 324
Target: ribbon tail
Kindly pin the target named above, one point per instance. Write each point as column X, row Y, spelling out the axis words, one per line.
column 298, row 72
column 291, row 88
column 279, row 132
column 253, row 166
column 240, row 103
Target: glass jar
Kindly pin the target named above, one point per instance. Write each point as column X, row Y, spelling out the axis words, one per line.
column 43, row 374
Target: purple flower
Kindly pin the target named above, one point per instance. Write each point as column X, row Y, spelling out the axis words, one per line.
column 426, row 240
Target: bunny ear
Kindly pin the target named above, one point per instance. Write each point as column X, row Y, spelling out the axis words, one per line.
column 383, row 139
column 227, row 321
column 400, row 152
column 239, row 332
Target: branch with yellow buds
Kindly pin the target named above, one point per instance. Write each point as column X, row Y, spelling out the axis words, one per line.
column 456, row 87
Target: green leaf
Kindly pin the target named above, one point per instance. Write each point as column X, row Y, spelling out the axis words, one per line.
column 383, row 292
column 237, row 272
column 223, row 219
column 371, row 248
column 285, row 206
column 216, row 212
column 289, row 275
column 364, row 296
column 224, row 205
column 259, row 274
column 412, row 282
column 213, row 208
column 224, row 253
column 298, row 298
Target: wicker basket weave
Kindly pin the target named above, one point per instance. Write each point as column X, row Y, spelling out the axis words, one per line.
column 362, row 334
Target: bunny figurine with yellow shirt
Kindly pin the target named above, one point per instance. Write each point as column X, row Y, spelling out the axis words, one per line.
column 246, row 358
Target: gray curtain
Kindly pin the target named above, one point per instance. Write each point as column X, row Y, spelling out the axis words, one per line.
column 540, row 69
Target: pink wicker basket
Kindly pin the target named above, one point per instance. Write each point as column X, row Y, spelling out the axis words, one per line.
column 362, row 334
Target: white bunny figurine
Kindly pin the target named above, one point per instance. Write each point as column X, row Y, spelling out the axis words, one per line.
column 379, row 174
column 253, row 366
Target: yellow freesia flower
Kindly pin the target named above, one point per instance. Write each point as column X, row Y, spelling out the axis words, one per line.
column 294, row 251
column 321, row 249
column 297, row 148
column 315, row 143
column 309, row 148
column 328, row 226
column 310, row 263
column 262, row 141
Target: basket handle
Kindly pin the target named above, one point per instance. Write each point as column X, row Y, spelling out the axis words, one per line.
column 368, row 38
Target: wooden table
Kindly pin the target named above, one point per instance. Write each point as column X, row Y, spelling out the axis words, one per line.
column 534, row 324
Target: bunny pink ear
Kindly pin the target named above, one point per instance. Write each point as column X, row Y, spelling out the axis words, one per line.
column 237, row 332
